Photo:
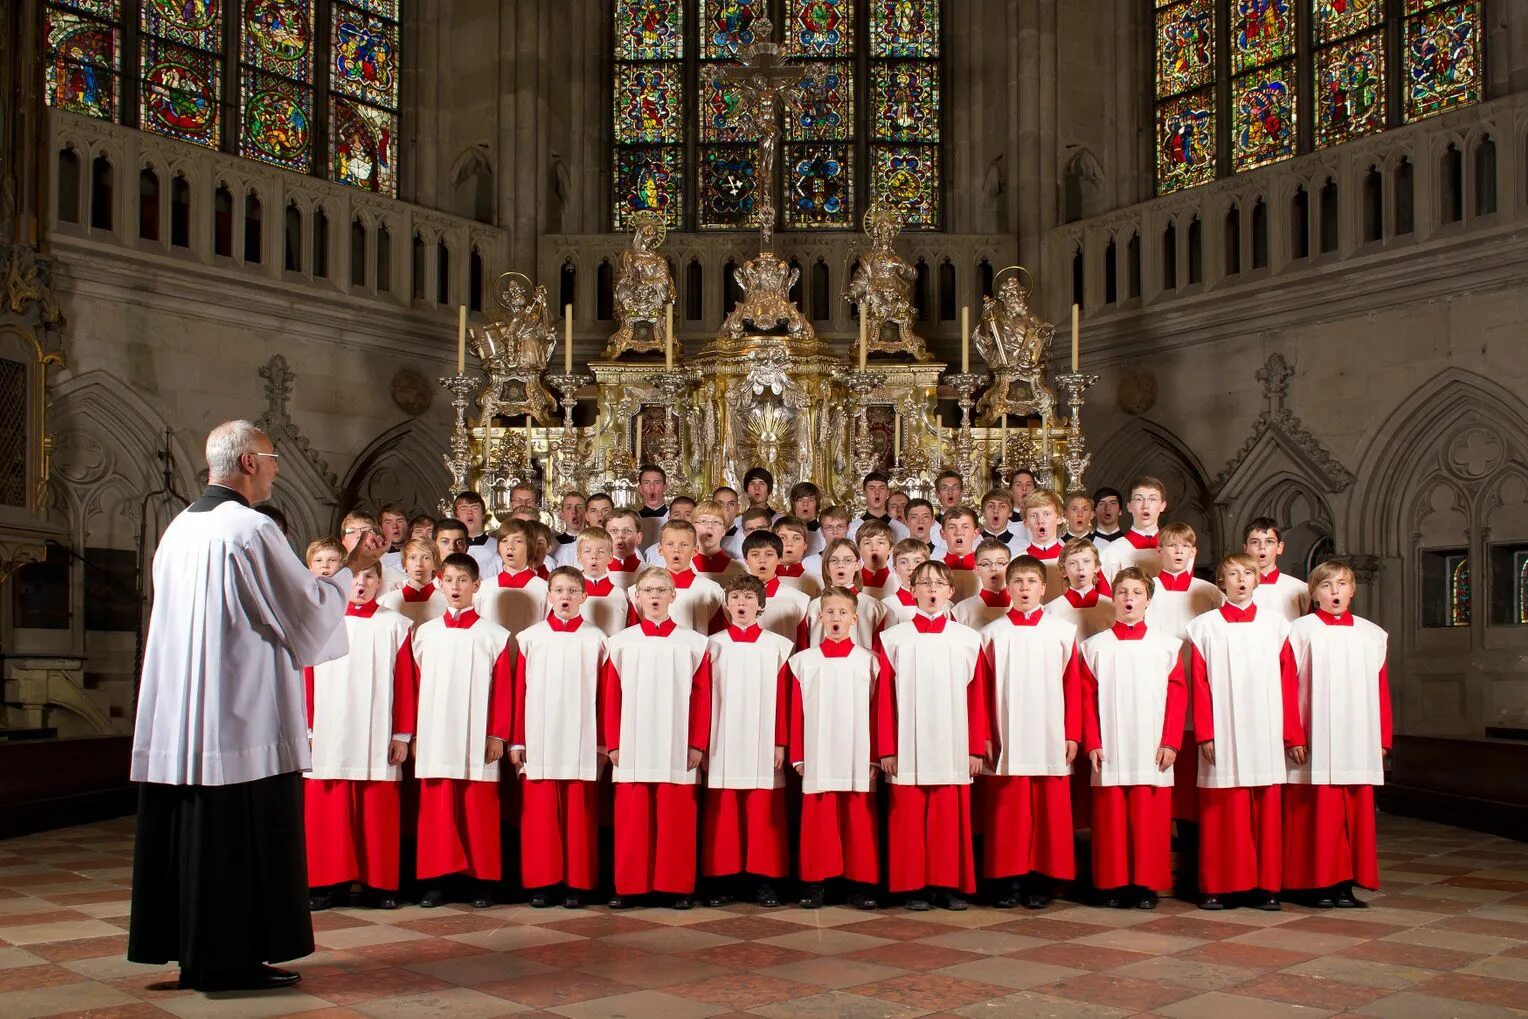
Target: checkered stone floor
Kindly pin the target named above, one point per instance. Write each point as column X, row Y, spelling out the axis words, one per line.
column 1447, row 937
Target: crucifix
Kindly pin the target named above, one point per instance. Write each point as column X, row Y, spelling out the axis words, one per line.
column 762, row 77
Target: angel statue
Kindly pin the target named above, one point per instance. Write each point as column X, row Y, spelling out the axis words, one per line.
column 643, row 290
column 882, row 286
column 515, row 348
column 1016, row 346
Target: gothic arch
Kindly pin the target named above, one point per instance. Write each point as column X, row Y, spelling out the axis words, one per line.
column 403, row 464
column 1143, row 446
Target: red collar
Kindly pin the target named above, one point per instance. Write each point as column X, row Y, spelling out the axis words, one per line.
column 516, row 580
column 715, row 563
column 1046, row 554
column 1022, row 619
column 905, row 598
column 1124, row 631
column 994, row 599
column 927, row 625
column 415, row 594
column 462, row 621
column 1346, row 619
column 748, row 636
column 1175, row 581
column 772, row 588
column 1082, row 601
column 789, row 570
column 542, row 572
column 1271, row 577
column 874, row 578
column 960, row 562
column 683, row 579
column 600, row 588
column 628, row 565
column 663, row 629
column 1140, row 540
column 362, row 611
column 1232, row 614
column 558, row 626
column 836, row 648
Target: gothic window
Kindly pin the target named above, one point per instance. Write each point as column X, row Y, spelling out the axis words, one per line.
column 257, row 60
column 1242, row 83
column 1509, row 585
column 1446, row 590
column 863, row 124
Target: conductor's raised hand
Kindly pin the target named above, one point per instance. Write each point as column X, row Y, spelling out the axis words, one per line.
column 367, row 551
column 495, row 750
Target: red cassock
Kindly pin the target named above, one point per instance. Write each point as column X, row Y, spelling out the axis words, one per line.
column 655, row 707
column 356, row 706
column 1029, row 667
column 466, row 695
column 1245, row 703
column 1177, row 599
column 831, row 740
column 1344, row 722
column 556, row 723
column 931, row 715
column 744, row 826
column 1133, row 703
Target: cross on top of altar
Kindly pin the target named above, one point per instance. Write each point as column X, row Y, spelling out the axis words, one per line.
column 762, row 75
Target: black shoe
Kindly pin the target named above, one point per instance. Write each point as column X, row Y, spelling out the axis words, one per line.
column 812, row 896
column 1266, row 901
column 573, row 900
column 621, row 902
column 1346, row 900
column 718, row 899
column 320, row 899
column 683, row 902
column 261, row 978
column 1324, row 898
column 433, row 896
column 949, row 900
column 1116, row 898
column 1212, row 902
column 381, row 898
column 1009, row 900
column 767, row 896
column 541, row 898
column 917, row 904
column 1034, row 900
column 1148, row 900
column 483, row 897
column 861, row 898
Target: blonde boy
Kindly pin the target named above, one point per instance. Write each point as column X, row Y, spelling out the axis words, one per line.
column 605, row 605
column 324, row 557
column 1079, row 517
column 875, row 542
column 516, row 598
column 991, row 600
column 697, row 601
column 1138, row 546
column 1042, row 515
column 419, row 599
column 1083, row 604
column 711, row 560
column 906, row 556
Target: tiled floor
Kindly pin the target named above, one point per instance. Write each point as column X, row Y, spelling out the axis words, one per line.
column 1448, row 937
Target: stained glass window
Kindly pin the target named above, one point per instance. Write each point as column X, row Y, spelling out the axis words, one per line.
column 821, row 182
column 1186, row 141
column 363, row 105
column 1185, row 112
column 181, row 69
column 1443, row 59
column 905, row 108
column 1350, row 88
column 648, row 109
column 726, row 175
column 1459, row 591
column 276, row 83
column 1262, row 33
column 84, row 57
column 1263, row 107
column 821, row 28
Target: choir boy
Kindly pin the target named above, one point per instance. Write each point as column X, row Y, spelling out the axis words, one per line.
column 711, row 560
column 450, row 538
column 842, row 569
column 1245, row 697
column 758, row 486
column 324, row 557
column 959, row 531
column 1079, row 517
column 356, row 526
column 1082, row 603
column 466, row 698
column 1342, row 740
column 792, row 533
column 472, row 511
column 516, row 598
column 1138, row 546
column 755, row 518
column 931, row 735
column 543, row 541
column 681, row 507
column 1133, row 705
column 896, row 505
column 360, row 718
column 597, row 509
column 834, row 521
column 997, row 522
column 1108, row 509
column 570, row 517
column 419, row 599
column 555, row 746
column 990, row 602
column 831, row 748
column 805, row 500
column 877, row 491
column 1043, row 518
column 921, row 525
column 950, row 490
column 393, row 519
column 697, row 601
column 906, row 556
column 875, row 542
column 655, row 722
column 1019, row 486
column 784, row 607
column 1276, row 592
column 744, row 828
column 725, row 496
column 605, row 605
column 652, row 488
column 1030, row 668
column 625, row 529
column 422, row 526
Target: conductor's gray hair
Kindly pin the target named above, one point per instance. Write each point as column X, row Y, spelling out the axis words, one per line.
column 226, row 443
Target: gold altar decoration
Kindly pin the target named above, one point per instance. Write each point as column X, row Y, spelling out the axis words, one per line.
column 514, row 349
column 644, row 289
column 882, row 287
column 1016, row 345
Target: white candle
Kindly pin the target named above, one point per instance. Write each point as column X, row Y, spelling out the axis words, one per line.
column 528, row 440
column 1002, row 452
column 896, row 439
column 668, row 339
column 1075, row 313
column 567, row 338
column 638, row 455
column 965, row 338
column 863, row 338
column 461, row 339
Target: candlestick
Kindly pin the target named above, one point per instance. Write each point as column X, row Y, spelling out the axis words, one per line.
column 965, row 339
column 1075, row 312
column 638, row 454
column 896, row 438
column 1002, row 449
column 461, row 339
column 567, row 338
column 863, row 338
column 527, row 445
column 668, row 339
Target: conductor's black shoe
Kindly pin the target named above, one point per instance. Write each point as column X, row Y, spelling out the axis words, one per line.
column 682, row 902
column 1212, row 902
column 1266, row 901
column 812, row 896
column 573, row 900
column 767, row 896
column 1148, row 900
column 260, row 978
column 432, row 897
column 541, row 898
column 862, row 897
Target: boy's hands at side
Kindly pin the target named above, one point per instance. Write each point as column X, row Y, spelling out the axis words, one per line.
column 1165, row 758
column 889, row 765
column 495, row 750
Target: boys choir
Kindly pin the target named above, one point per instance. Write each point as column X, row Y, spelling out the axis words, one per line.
column 890, row 705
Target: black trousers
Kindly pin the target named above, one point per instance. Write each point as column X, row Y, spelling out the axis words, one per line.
column 220, row 877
